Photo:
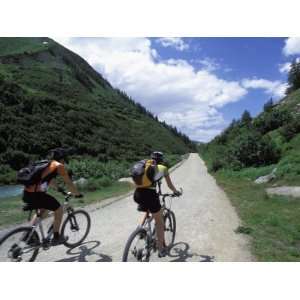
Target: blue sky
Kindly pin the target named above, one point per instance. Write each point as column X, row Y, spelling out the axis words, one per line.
column 197, row 84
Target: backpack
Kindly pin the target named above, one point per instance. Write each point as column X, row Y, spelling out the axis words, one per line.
column 142, row 173
column 32, row 174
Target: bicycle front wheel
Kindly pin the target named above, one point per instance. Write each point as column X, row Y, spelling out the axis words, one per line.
column 136, row 249
column 20, row 244
column 170, row 228
column 76, row 227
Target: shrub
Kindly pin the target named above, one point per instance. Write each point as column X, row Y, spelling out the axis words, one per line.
column 216, row 165
column 94, row 184
column 105, row 181
column 291, row 129
column 252, row 149
column 16, row 159
column 7, row 175
column 271, row 120
column 289, row 165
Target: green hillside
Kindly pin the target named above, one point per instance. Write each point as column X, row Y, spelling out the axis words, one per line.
column 51, row 97
column 272, row 138
column 250, row 148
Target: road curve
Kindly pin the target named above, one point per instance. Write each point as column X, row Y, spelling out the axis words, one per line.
column 206, row 221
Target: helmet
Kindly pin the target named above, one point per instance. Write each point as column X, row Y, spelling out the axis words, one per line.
column 59, row 153
column 157, row 156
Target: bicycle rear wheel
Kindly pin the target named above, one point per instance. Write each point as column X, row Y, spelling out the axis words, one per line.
column 170, row 228
column 20, row 244
column 76, row 227
column 136, row 249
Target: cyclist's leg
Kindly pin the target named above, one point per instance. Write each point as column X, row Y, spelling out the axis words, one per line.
column 58, row 215
column 139, row 197
column 42, row 213
column 44, row 201
column 33, row 200
column 52, row 204
column 143, row 219
column 159, row 223
column 157, row 213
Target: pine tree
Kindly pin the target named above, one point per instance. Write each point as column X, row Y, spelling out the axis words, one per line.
column 268, row 105
column 246, row 118
column 294, row 77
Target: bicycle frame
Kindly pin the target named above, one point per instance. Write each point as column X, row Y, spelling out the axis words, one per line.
column 147, row 225
column 39, row 222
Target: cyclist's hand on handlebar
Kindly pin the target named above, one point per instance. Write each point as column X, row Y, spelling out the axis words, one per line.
column 177, row 193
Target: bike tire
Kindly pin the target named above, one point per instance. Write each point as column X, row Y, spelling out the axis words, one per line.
column 70, row 243
column 21, row 231
column 135, row 234
column 169, row 216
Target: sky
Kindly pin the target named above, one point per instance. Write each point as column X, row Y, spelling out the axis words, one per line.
column 196, row 84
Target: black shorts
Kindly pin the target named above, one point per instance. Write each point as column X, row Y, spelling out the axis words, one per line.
column 41, row 200
column 147, row 200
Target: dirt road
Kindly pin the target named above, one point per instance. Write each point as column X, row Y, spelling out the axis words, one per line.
column 205, row 224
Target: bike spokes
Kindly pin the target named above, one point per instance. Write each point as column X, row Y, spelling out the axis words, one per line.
column 19, row 245
column 137, row 248
column 139, row 251
column 76, row 227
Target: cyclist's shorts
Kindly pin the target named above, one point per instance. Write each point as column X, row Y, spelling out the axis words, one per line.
column 40, row 200
column 147, row 200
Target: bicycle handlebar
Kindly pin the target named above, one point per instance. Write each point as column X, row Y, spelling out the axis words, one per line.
column 171, row 195
column 68, row 195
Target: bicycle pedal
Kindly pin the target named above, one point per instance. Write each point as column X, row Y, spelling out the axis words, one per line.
column 46, row 244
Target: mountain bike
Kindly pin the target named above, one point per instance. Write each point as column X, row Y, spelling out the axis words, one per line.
column 142, row 242
column 24, row 243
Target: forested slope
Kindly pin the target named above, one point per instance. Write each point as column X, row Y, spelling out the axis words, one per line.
column 51, row 97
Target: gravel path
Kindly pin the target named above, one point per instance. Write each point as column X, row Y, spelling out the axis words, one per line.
column 205, row 224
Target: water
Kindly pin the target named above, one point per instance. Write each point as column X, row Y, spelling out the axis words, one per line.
column 10, row 190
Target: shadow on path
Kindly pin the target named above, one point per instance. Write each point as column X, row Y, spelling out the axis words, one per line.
column 180, row 252
column 85, row 250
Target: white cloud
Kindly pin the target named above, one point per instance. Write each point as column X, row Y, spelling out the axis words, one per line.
column 292, row 46
column 285, row 68
column 172, row 89
column 207, row 63
column 275, row 89
column 204, row 123
column 173, row 42
column 204, row 135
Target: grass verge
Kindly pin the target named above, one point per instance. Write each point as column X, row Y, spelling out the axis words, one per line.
column 11, row 208
column 272, row 222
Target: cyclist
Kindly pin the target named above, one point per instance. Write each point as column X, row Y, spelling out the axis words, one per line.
column 36, row 195
column 147, row 199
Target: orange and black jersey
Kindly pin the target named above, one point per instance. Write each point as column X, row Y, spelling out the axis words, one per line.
column 55, row 168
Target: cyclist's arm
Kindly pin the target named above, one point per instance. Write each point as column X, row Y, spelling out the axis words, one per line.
column 169, row 183
column 69, row 183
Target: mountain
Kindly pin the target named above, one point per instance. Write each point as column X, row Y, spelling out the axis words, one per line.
column 50, row 97
column 271, row 138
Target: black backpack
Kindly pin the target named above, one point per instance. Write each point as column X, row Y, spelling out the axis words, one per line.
column 32, row 174
column 142, row 172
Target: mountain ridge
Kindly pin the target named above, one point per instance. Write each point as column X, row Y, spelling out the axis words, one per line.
column 50, row 96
